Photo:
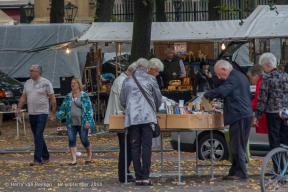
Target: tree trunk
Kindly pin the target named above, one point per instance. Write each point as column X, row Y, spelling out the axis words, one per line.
column 141, row 30
column 104, row 10
column 57, row 11
column 213, row 14
column 160, row 11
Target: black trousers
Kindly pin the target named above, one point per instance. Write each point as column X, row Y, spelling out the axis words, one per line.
column 141, row 136
column 121, row 160
column 277, row 130
column 239, row 133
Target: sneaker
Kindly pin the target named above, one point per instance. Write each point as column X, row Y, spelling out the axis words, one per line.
column 35, row 164
column 45, row 161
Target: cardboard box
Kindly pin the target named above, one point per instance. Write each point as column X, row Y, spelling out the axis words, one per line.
column 162, row 120
column 116, row 121
column 182, row 121
column 216, row 120
column 203, row 120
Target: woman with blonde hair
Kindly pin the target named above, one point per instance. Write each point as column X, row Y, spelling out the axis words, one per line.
column 78, row 110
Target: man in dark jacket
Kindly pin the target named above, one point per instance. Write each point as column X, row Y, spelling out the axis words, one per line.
column 237, row 114
column 173, row 67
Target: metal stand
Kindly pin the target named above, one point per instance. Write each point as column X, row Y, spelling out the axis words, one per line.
column 212, row 156
column 179, row 161
column 196, row 152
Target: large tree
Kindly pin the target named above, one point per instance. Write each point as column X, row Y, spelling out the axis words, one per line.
column 213, row 12
column 57, row 11
column 104, row 10
column 160, row 11
column 143, row 14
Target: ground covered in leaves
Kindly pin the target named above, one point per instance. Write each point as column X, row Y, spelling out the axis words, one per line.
column 101, row 175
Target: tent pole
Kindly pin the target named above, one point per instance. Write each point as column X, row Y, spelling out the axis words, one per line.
column 116, row 64
column 99, row 63
column 119, row 48
column 97, row 82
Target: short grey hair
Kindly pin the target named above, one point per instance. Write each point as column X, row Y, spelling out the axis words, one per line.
column 142, row 63
column 155, row 63
column 223, row 64
column 38, row 67
column 267, row 58
column 168, row 50
column 256, row 70
column 132, row 67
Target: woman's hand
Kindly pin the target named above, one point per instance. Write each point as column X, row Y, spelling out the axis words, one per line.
column 87, row 126
column 209, row 75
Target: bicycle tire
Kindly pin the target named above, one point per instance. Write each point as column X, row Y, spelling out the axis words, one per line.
column 268, row 177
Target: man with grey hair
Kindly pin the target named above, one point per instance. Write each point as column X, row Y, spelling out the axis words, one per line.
column 140, row 117
column 173, row 67
column 237, row 114
column 37, row 92
column 271, row 99
column 115, row 107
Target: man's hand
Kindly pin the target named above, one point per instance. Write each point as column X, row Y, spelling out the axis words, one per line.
column 52, row 117
column 87, row 126
column 17, row 112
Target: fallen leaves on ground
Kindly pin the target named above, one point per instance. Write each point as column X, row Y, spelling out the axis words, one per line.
column 102, row 174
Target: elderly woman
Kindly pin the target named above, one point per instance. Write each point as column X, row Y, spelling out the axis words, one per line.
column 140, row 117
column 156, row 66
column 256, row 75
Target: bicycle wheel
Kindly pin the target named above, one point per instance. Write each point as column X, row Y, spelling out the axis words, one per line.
column 273, row 171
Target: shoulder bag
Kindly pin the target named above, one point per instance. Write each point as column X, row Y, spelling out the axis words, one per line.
column 155, row 127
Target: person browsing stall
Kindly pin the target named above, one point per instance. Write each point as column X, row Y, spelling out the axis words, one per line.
column 37, row 91
column 140, row 117
column 237, row 113
column 256, row 76
column 77, row 109
column 115, row 107
column 272, row 98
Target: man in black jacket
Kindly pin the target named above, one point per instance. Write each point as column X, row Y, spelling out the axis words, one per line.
column 237, row 114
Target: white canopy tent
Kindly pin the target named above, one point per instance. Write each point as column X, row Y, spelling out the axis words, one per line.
column 101, row 32
column 264, row 23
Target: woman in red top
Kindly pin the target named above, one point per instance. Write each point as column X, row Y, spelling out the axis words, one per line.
column 256, row 75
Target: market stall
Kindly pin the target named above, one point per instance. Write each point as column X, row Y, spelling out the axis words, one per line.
column 176, row 123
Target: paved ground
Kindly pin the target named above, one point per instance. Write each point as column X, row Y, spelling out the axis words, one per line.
column 101, row 175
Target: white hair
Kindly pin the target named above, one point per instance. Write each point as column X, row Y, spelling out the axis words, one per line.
column 132, row 67
column 168, row 50
column 268, row 58
column 142, row 63
column 155, row 63
column 223, row 64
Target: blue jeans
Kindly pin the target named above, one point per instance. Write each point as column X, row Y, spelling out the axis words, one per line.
column 37, row 123
column 72, row 132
